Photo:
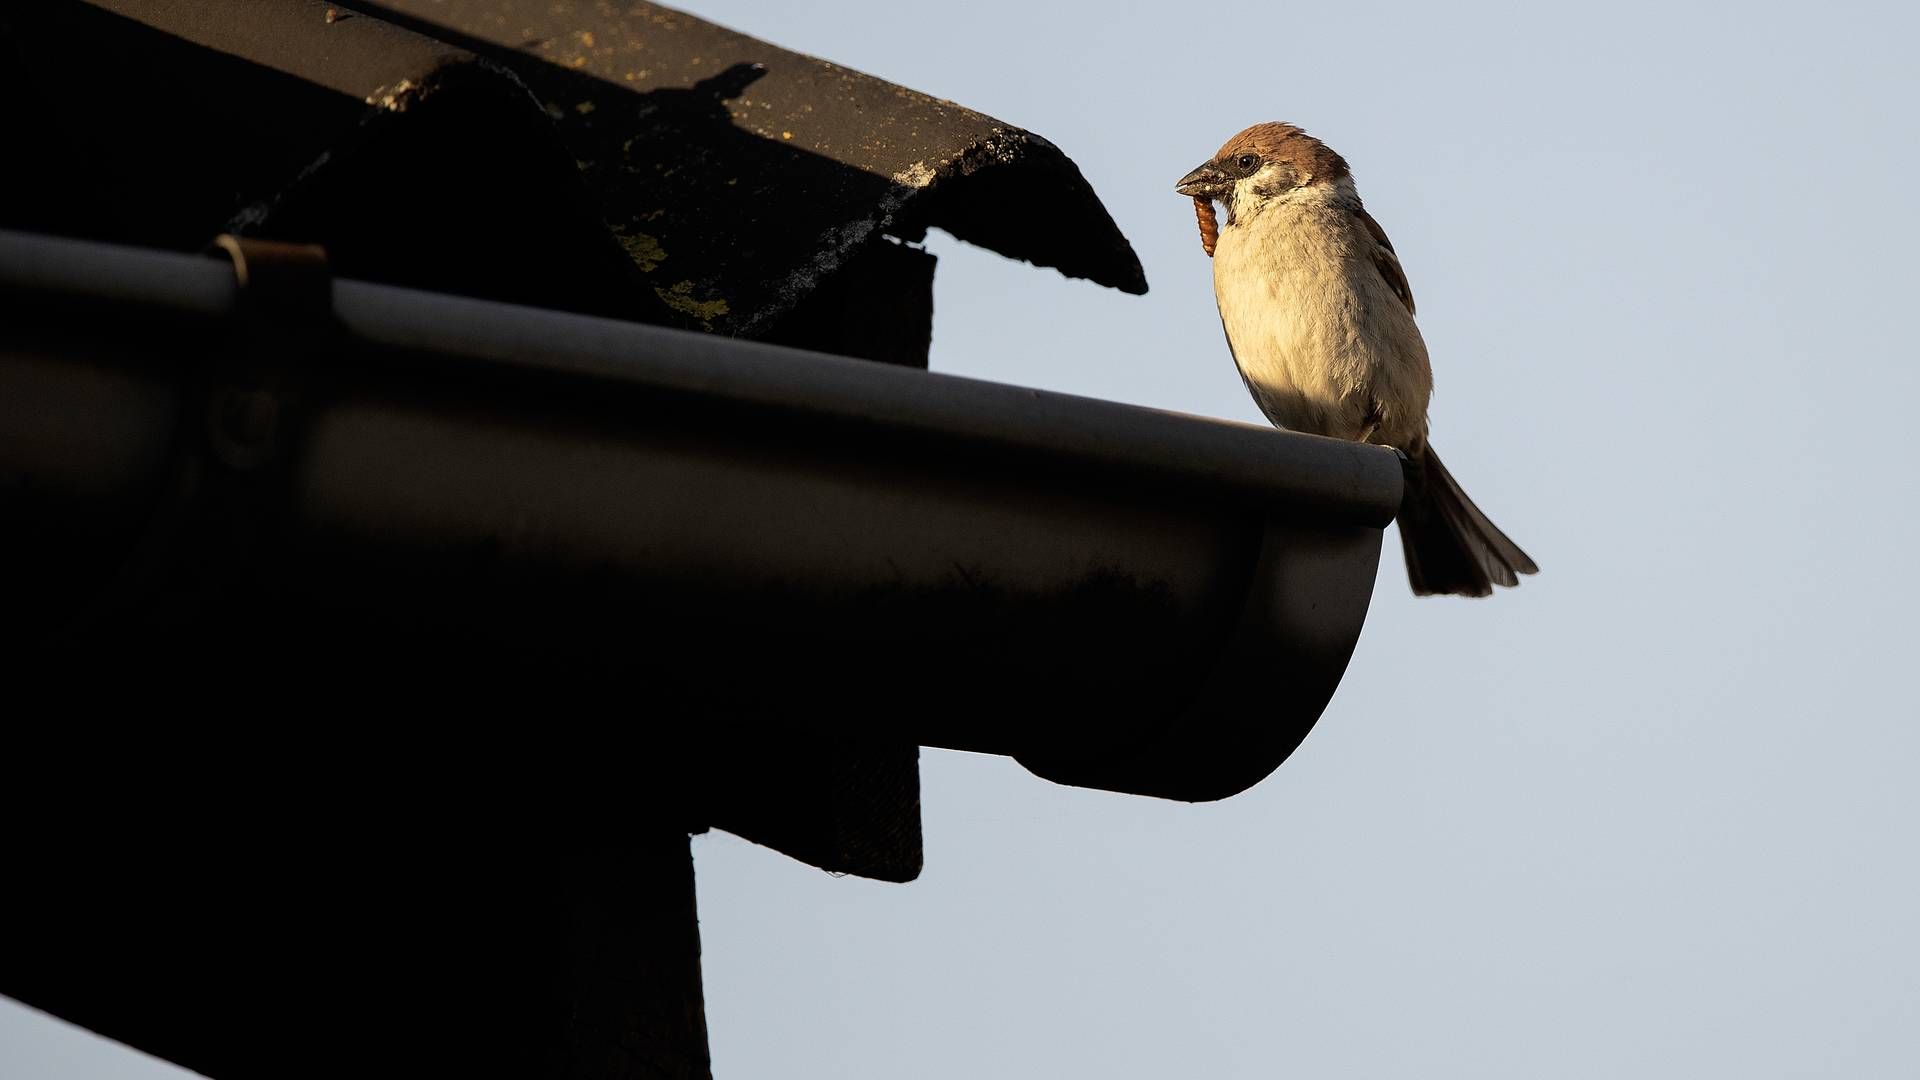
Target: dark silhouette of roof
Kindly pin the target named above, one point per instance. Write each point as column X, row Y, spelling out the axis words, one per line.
column 375, row 649
column 626, row 160
column 386, row 601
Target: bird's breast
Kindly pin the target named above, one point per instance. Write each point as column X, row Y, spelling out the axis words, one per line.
column 1305, row 313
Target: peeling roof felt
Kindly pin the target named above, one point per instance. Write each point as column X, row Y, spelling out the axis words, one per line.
column 629, row 159
column 722, row 158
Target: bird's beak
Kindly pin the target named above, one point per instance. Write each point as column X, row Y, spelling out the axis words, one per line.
column 1205, row 182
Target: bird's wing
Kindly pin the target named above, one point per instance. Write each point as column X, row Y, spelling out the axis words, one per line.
column 1385, row 260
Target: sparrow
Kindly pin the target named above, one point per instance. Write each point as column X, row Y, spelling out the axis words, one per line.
column 1319, row 319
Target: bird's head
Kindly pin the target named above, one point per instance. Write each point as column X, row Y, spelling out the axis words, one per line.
column 1265, row 162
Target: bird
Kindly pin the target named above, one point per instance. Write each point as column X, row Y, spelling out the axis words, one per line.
column 1319, row 318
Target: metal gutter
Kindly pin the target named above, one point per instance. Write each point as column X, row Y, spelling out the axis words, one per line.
column 739, row 536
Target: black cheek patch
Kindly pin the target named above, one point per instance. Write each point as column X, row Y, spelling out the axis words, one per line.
column 1280, row 181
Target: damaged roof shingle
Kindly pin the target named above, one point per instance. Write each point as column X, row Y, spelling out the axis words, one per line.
column 628, row 160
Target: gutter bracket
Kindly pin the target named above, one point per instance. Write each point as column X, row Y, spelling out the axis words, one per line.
column 242, row 408
column 255, row 391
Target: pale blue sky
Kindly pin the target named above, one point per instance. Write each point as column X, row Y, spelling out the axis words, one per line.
column 1651, row 815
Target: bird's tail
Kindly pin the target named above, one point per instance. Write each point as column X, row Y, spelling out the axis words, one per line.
column 1451, row 547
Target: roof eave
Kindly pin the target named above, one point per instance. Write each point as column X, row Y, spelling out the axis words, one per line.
column 1117, row 596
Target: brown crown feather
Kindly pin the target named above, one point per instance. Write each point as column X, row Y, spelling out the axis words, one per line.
column 1311, row 158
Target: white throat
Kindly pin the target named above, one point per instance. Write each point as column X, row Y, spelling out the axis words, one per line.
column 1255, row 195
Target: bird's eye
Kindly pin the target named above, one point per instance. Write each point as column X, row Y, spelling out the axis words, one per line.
column 1248, row 161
